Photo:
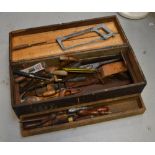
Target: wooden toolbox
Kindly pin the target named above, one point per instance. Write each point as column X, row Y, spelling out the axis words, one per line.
column 73, row 74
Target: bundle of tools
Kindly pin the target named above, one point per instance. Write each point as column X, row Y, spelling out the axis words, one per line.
column 65, row 116
column 42, row 81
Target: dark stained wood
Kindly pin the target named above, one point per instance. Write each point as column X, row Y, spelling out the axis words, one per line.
column 136, row 87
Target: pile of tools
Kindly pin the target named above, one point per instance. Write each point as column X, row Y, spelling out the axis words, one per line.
column 41, row 81
column 65, row 116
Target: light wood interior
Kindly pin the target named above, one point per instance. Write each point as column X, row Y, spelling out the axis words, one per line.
column 51, row 48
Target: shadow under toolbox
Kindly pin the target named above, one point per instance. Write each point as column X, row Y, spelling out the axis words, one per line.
column 73, row 74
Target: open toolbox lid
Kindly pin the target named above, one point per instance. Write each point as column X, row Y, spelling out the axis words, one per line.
column 41, row 42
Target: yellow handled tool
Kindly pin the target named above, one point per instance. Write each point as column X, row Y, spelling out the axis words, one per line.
column 79, row 70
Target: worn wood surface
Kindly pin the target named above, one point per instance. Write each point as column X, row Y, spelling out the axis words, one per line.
column 51, row 47
column 120, row 107
column 52, row 35
column 113, row 68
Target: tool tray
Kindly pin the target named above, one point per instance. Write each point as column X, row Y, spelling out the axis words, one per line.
column 34, row 45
